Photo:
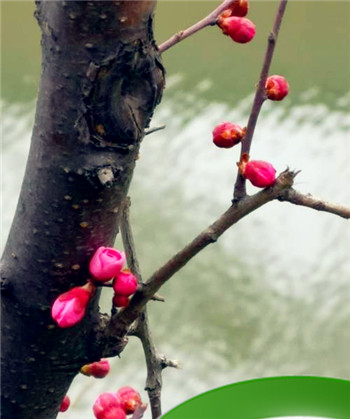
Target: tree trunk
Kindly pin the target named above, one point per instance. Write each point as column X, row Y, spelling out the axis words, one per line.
column 101, row 79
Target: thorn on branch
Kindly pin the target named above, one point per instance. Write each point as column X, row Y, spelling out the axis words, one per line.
column 172, row 363
column 157, row 297
column 286, row 178
column 155, row 129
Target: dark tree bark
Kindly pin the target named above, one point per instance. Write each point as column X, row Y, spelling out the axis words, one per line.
column 101, row 79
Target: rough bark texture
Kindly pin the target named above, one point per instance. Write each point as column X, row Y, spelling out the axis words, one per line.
column 101, row 79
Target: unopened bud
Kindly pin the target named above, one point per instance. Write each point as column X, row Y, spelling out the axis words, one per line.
column 260, row 173
column 97, row 369
column 226, row 134
column 129, row 399
column 106, row 263
column 120, row 301
column 107, row 406
column 65, row 404
column 276, row 87
column 240, row 29
column 69, row 308
column 239, row 8
column 125, row 283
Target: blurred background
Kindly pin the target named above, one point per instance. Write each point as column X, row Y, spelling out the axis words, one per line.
column 272, row 296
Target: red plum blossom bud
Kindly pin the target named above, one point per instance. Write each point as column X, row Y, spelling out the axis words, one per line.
column 97, row 369
column 129, row 399
column 260, row 173
column 125, row 283
column 107, row 406
column 120, row 301
column 106, row 263
column 69, row 307
column 65, row 404
column 226, row 134
column 276, row 87
column 240, row 29
column 239, row 8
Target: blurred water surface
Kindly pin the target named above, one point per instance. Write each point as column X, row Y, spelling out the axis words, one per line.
column 271, row 297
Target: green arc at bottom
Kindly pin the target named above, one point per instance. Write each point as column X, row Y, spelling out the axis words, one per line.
column 270, row 397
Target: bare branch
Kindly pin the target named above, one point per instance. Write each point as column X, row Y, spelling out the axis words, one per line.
column 235, row 213
column 121, row 322
column 207, row 21
column 282, row 190
column 154, row 361
column 307, row 200
column 260, row 96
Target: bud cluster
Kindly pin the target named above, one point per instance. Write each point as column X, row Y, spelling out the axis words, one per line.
column 106, row 265
column 233, row 23
column 117, row 405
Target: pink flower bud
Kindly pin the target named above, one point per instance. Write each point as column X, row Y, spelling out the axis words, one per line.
column 125, row 283
column 106, row 263
column 97, row 369
column 120, row 301
column 129, row 399
column 69, row 307
column 240, row 29
column 239, row 8
column 260, row 173
column 107, row 406
column 276, row 87
column 65, row 404
column 226, row 134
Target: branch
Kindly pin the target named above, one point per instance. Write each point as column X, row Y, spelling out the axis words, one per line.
column 307, row 200
column 207, row 21
column 235, row 213
column 155, row 362
column 121, row 321
column 282, row 190
column 260, row 95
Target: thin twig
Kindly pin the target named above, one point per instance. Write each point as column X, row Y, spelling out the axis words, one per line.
column 154, row 361
column 154, row 129
column 128, row 239
column 260, row 96
column 307, row 200
column 207, row 21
